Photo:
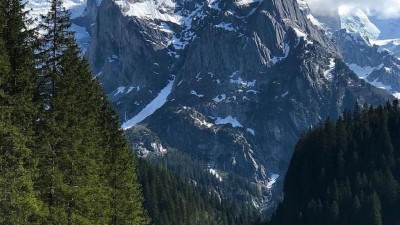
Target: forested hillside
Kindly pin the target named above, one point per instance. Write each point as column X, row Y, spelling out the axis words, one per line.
column 169, row 200
column 346, row 172
column 63, row 157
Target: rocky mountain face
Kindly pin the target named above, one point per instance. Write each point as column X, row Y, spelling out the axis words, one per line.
column 370, row 46
column 375, row 64
column 231, row 84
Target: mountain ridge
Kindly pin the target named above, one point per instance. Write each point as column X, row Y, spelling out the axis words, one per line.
column 249, row 77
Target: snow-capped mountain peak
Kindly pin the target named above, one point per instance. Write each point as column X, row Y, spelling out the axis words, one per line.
column 357, row 21
column 370, row 47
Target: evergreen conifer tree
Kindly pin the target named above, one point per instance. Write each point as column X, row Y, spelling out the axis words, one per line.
column 20, row 203
column 58, row 162
column 126, row 198
column 88, row 171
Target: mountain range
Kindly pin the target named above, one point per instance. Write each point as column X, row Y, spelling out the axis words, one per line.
column 232, row 84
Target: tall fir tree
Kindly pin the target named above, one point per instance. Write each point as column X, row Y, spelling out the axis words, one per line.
column 52, row 46
column 88, row 171
column 126, row 198
column 21, row 82
column 19, row 202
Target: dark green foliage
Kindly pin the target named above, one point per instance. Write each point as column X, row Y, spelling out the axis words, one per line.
column 171, row 201
column 346, row 172
column 19, row 202
column 194, row 170
column 125, row 192
column 63, row 157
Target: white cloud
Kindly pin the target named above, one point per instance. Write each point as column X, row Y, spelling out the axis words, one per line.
column 381, row 8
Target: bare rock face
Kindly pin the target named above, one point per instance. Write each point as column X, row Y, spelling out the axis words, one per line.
column 248, row 77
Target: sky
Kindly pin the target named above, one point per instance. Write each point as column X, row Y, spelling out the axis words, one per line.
column 382, row 8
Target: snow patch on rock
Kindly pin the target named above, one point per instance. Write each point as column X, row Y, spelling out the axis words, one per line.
column 246, row 2
column 302, row 35
column 120, row 90
column 201, row 122
column 226, row 26
column 228, row 120
column 158, row 148
column 397, row 95
column 277, row 59
column 251, row 131
column 215, row 173
column 220, row 98
column 149, row 9
column 196, row 94
column 157, row 103
column 272, row 180
column 362, row 72
column 214, row 4
column 328, row 74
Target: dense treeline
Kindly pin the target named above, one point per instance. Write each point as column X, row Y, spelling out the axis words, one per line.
column 193, row 169
column 172, row 201
column 236, row 193
column 346, row 172
column 63, row 157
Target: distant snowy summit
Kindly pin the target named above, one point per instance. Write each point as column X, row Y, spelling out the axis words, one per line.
column 378, row 41
column 376, row 30
column 356, row 20
column 370, row 45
